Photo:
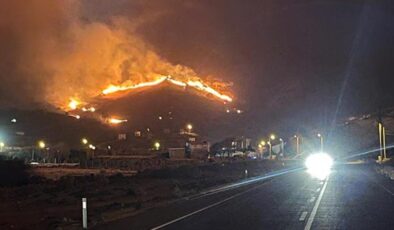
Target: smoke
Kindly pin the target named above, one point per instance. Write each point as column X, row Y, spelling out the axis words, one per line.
column 56, row 50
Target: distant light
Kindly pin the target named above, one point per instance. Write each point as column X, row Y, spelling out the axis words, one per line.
column 2, row 144
column 272, row 137
column 280, row 139
column 109, row 147
column 319, row 165
column 189, row 127
column 260, row 146
column 157, row 145
column 41, row 144
column 227, row 111
column 319, row 135
column 160, row 117
column 92, row 147
column 84, row 141
column 239, row 111
column 13, row 120
column 262, row 143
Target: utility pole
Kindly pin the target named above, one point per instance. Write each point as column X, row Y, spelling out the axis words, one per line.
column 384, row 143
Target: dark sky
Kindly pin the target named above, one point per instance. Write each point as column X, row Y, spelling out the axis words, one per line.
column 293, row 63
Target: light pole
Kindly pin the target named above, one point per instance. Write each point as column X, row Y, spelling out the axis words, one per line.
column 382, row 141
column 321, row 141
column 41, row 145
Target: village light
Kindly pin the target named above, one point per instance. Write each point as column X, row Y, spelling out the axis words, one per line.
column 41, row 144
column 157, row 145
column 189, row 127
column 84, row 141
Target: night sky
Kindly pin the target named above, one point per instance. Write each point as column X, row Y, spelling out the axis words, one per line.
column 293, row 63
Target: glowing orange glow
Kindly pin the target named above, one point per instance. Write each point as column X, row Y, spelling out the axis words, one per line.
column 176, row 82
column 73, row 104
column 90, row 109
column 199, row 85
column 114, row 88
column 116, row 121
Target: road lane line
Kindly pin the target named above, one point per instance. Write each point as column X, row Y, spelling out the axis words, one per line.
column 314, row 210
column 312, row 199
column 205, row 208
column 303, row 216
column 242, row 183
column 318, row 190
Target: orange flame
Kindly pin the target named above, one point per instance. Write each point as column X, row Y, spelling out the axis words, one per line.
column 114, row 88
column 73, row 104
column 116, row 121
column 199, row 85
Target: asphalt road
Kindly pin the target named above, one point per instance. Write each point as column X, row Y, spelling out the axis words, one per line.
column 353, row 197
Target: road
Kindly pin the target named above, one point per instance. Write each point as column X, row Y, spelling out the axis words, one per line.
column 353, row 197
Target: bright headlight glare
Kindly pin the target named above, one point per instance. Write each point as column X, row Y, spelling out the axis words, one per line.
column 319, row 165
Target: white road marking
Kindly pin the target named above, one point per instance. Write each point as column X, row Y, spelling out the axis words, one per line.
column 318, row 190
column 303, row 216
column 205, row 208
column 314, row 210
column 242, row 183
column 312, row 199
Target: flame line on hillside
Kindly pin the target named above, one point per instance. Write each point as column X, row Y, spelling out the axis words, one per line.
column 195, row 84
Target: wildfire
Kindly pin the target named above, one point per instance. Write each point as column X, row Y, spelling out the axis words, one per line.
column 90, row 109
column 199, row 85
column 116, row 121
column 114, row 88
column 75, row 116
column 73, row 104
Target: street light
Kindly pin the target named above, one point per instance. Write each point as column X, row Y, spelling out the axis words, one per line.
column 189, row 127
column 157, row 145
column 84, row 141
column 321, row 141
column 272, row 137
column 263, row 143
column 41, row 144
column 2, row 144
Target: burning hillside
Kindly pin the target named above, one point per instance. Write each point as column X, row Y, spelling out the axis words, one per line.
column 92, row 57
